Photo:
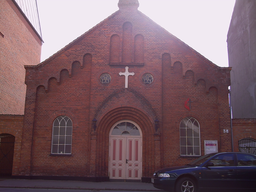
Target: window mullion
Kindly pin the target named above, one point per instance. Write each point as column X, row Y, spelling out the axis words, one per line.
column 186, row 140
column 58, row 144
column 192, row 135
column 65, row 136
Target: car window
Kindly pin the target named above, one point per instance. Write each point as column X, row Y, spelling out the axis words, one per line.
column 246, row 160
column 223, row 160
column 201, row 160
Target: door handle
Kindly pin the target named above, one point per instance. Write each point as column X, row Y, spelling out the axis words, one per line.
column 126, row 161
column 231, row 172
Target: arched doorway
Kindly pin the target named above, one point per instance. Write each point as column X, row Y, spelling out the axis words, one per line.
column 125, row 151
column 6, row 154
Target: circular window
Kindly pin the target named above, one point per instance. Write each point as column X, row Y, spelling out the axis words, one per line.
column 147, row 78
column 105, row 78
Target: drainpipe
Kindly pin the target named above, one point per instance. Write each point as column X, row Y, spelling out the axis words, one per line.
column 231, row 117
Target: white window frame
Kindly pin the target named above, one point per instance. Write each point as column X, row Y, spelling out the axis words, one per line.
column 189, row 123
column 62, row 129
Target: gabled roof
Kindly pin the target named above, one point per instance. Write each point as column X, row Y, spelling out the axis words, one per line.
column 124, row 5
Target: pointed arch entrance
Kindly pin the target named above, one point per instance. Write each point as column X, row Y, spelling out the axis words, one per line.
column 100, row 140
column 125, row 151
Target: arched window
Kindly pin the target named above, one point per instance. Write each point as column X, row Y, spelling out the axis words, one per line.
column 62, row 135
column 126, row 128
column 247, row 145
column 190, row 137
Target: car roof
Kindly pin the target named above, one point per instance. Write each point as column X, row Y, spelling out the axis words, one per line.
column 235, row 153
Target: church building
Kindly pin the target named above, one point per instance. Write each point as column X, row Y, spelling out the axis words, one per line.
column 120, row 101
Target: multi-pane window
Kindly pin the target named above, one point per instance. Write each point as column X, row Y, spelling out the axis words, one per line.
column 190, row 137
column 62, row 135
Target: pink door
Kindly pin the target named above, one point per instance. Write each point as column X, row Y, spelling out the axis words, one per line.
column 125, row 152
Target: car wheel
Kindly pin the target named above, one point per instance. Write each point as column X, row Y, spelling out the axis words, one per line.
column 186, row 184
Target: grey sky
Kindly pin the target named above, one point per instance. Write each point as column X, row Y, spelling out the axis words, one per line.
column 202, row 24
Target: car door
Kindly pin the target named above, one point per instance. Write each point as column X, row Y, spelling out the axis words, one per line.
column 246, row 171
column 220, row 174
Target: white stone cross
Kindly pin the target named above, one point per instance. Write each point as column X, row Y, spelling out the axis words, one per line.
column 126, row 74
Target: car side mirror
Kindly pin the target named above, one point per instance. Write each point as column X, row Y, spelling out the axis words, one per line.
column 209, row 164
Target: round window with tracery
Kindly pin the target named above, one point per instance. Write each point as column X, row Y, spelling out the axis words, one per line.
column 147, row 78
column 105, row 78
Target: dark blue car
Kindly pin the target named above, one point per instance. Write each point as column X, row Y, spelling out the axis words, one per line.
column 213, row 172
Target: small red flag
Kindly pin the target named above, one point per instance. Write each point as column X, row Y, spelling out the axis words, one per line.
column 187, row 104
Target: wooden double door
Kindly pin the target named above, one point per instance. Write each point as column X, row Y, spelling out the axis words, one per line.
column 125, row 151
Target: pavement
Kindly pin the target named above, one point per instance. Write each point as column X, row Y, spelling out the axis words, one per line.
column 71, row 184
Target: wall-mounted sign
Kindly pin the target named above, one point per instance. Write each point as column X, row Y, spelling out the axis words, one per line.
column 210, row 146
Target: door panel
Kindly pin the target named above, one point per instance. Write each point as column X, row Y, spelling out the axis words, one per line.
column 117, row 158
column 218, row 177
column 221, row 175
column 133, row 168
column 246, row 171
column 125, row 160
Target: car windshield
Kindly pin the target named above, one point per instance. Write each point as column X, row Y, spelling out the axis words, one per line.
column 201, row 160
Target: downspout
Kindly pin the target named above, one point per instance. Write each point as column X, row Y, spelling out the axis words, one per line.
column 231, row 117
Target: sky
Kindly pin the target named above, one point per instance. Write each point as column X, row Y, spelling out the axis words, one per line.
column 201, row 24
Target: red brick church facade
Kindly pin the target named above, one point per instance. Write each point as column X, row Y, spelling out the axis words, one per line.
column 122, row 100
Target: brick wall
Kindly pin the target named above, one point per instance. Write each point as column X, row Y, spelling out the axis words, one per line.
column 19, row 46
column 68, row 84
column 242, row 129
column 13, row 125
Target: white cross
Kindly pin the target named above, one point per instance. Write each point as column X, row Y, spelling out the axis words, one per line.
column 126, row 74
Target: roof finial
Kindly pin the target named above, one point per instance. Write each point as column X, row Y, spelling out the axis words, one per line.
column 128, row 4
